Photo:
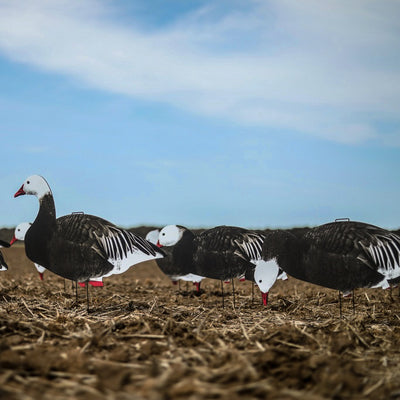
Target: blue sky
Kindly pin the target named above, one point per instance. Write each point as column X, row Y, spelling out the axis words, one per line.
column 272, row 113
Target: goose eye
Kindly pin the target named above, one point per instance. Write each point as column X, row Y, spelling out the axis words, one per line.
column 260, row 281
column 163, row 234
column 28, row 182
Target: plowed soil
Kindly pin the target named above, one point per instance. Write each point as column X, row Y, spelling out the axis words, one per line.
column 145, row 338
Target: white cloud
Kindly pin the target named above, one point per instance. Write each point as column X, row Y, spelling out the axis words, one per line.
column 325, row 69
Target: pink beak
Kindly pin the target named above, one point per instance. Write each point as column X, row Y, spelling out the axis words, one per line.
column 197, row 286
column 41, row 275
column 20, row 192
column 158, row 244
column 265, row 298
column 13, row 240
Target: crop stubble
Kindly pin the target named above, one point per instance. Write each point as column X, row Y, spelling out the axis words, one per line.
column 148, row 339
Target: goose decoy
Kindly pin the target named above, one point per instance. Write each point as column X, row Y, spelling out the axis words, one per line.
column 228, row 252
column 170, row 264
column 79, row 247
column 342, row 255
column 223, row 252
column 3, row 264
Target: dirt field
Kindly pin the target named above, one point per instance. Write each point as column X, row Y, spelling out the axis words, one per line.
column 145, row 339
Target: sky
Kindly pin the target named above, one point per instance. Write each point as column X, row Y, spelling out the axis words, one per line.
column 254, row 113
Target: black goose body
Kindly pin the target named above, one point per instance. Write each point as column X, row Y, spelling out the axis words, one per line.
column 79, row 246
column 166, row 264
column 66, row 249
column 179, row 259
column 339, row 255
column 227, row 252
column 177, row 242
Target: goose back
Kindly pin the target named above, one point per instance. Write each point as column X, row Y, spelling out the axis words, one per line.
column 227, row 252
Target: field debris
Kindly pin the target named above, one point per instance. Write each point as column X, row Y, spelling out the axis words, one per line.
column 148, row 339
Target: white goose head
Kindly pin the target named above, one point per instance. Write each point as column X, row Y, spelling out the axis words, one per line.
column 152, row 236
column 170, row 235
column 265, row 275
column 20, row 231
column 35, row 185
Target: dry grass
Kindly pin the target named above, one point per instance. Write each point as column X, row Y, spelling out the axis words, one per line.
column 145, row 340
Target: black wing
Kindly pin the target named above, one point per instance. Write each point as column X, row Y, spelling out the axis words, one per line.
column 244, row 243
column 103, row 236
column 376, row 247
